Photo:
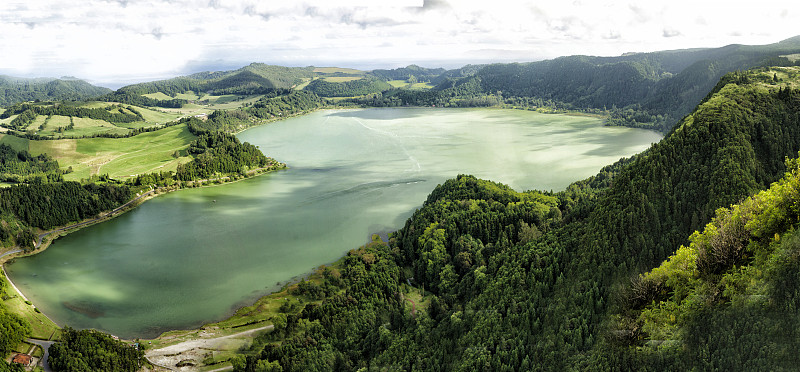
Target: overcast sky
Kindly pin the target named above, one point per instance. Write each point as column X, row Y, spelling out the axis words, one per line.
column 121, row 41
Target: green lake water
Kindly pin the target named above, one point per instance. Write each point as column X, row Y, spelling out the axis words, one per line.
column 194, row 256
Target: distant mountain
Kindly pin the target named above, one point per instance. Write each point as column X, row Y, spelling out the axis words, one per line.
column 252, row 79
column 666, row 83
column 412, row 71
column 14, row 90
column 526, row 281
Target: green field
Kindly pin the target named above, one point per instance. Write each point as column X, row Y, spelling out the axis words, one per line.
column 53, row 123
column 118, row 157
column 8, row 120
column 88, row 127
column 398, row 83
column 421, row 86
column 41, row 119
column 15, row 142
column 302, row 85
column 42, row 327
column 341, row 79
column 189, row 96
column 97, row 104
column 228, row 102
column 333, row 70
column 792, row 57
column 155, row 116
column 157, row 95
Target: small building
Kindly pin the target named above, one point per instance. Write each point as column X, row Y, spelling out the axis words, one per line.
column 23, row 359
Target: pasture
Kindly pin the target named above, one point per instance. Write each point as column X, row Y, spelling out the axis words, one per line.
column 335, row 70
column 398, row 83
column 341, row 79
column 118, row 157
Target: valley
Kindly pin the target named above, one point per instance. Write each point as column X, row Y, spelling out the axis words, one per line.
column 194, row 256
column 539, row 266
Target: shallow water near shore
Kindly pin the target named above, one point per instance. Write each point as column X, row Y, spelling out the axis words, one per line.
column 193, row 256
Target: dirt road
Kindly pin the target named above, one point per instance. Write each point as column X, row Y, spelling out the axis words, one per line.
column 192, row 352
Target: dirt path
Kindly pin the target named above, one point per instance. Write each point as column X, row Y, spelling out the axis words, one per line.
column 413, row 307
column 195, row 350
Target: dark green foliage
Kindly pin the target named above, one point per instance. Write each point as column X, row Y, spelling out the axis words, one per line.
column 647, row 90
column 55, row 204
column 288, row 103
column 411, row 72
column 218, row 153
column 13, row 367
column 28, row 113
column 15, row 90
column 275, row 104
column 505, row 300
column 349, row 328
column 351, row 88
column 140, row 100
column 89, row 350
column 21, row 167
column 13, row 330
column 257, row 78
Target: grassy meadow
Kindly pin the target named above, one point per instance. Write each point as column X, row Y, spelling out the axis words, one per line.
column 398, row 83
column 15, row 142
column 117, row 157
column 334, row 70
column 42, row 327
column 341, row 79
column 302, row 85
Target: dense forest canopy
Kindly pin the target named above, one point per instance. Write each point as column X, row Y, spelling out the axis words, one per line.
column 14, row 90
column 509, row 280
column 88, row 350
column 256, row 78
column 528, row 281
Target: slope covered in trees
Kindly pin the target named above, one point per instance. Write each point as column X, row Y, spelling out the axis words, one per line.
column 21, row 166
column 414, row 72
column 351, row 88
column 218, row 153
column 531, row 284
column 658, row 88
column 88, row 350
column 727, row 301
column 14, row 90
column 256, row 78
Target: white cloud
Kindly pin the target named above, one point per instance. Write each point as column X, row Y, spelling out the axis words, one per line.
column 144, row 39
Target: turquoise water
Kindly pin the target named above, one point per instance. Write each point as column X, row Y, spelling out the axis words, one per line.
column 194, row 256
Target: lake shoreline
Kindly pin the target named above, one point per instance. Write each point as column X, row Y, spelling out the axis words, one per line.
column 371, row 187
column 47, row 238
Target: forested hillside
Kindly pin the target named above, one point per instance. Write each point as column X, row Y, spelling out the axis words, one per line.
column 650, row 90
column 727, row 301
column 414, row 72
column 527, row 281
column 256, row 78
column 15, row 90
column 277, row 104
column 350, row 88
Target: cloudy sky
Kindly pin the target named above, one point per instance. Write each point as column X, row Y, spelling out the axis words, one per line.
column 110, row 42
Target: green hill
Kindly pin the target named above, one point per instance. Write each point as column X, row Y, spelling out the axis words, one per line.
column 256, row 78
column 658, row 88
column 530, row 281
column 349, row 88
column 15, row 90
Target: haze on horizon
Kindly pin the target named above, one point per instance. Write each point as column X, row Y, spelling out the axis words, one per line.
column 117, row 42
